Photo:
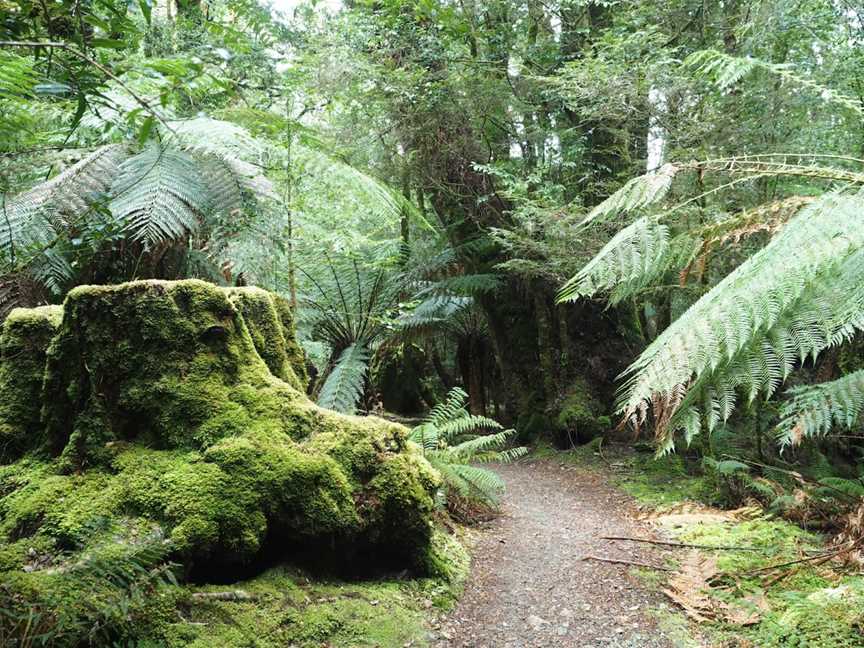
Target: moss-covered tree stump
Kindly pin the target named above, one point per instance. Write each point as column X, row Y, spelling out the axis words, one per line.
column 179, row 408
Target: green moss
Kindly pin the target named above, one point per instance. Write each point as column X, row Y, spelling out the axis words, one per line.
column 290, row 609
column 24, row 339
column 268, row 331
column 581, row 416
column 163, row 416
column 296, row 357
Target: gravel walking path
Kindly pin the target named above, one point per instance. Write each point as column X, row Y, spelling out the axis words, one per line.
column 529, row 587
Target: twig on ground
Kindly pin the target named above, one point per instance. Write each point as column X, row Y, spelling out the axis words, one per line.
column 668, row 543
column 618, row 561
column 232, row 595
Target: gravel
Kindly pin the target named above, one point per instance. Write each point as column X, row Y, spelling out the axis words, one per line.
column 529, row 587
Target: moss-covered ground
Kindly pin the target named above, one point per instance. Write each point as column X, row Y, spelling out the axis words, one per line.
column 289, row 607
column 811, row 604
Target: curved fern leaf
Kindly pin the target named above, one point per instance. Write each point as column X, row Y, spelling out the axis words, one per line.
column 344, row 385
column 756, row 309
column 159, row 195
column 632, row 257
column 55, row 205
column 813, row 411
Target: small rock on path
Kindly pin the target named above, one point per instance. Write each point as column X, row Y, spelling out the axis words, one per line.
column 529, row 587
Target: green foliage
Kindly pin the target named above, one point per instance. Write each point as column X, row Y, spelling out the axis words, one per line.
column 726, row 71
column 344, row 384
column 450, row 441
column 630, row 260
column 580, row 417
column 196, row 438
column 158, row 196
column 813, row 411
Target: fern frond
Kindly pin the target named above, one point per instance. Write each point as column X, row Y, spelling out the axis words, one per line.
column 159, row 195
column 632, row 258
column 725, row 71
column 814, row 410
column 344, row 385
column 426, row 436
column 465, row 423
column 804, row 261
column 479, row 445
column 637, row 193
column 433, row 311
column 451, row 408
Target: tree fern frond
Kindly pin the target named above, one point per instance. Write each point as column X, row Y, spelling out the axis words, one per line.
column 449, row 443
column 631, row 257
column 826, row 314
column 158, row 195
column 814, row 410
column 478, row 482
column 53, row 206
column 344, row 385
column 433, row 311
column 725, row 70
column 209, row 136
column 750, row 301
column 767, row 219
column 637, row 193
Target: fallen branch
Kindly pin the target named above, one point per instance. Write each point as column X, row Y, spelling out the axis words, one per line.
column 669, row 543
column 233, row 595
column 618, row 561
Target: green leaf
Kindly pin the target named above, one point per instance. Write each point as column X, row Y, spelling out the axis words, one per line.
column 146, row 9
column 146, row 128
column 108, row 43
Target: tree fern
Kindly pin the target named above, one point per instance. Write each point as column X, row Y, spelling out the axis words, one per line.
column 792, row 298
column 814, row 410
column 826, row 314
column 726, row 71
column 637, row 193
column 159, row 195
column 344, row 384
column 62, row 202
column 632, row 257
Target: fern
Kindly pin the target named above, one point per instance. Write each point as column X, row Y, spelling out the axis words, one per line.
column 55, row 206
column 637, row 193
column 433, row 311
column 791, row 299
column 450, row 440
column 159, row 195
column 631, row 258
column 813, row 411
column 726, row 71
column 344, row 385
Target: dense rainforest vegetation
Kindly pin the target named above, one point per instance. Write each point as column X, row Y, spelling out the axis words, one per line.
column 277, row 280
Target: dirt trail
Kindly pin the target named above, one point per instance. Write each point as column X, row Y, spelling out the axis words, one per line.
column 529, row 587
